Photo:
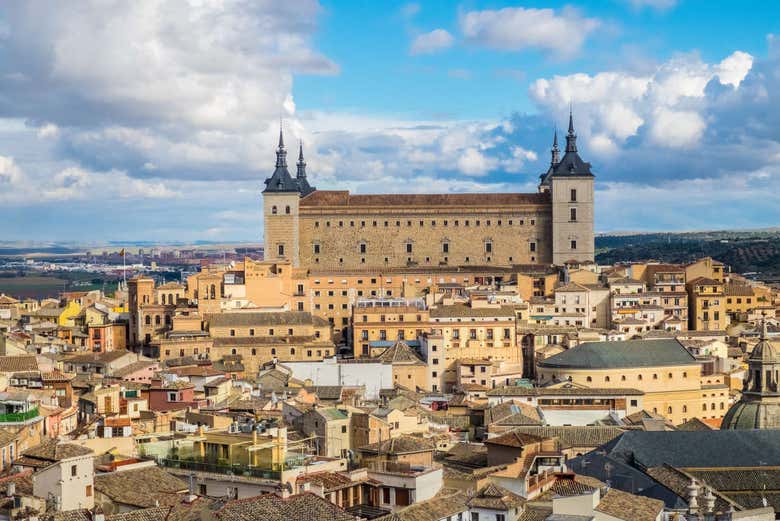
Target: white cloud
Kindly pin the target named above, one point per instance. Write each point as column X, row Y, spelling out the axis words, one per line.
column 48, row 130
column 733, row 69
column 612, row 106
column 11, row 175
column 473, row 162
column 676, row 129
column 518, row 28
column 432, row 42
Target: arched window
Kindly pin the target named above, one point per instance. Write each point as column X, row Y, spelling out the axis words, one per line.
column 639, row 377
column 588, row 379
column 704, row 407
column 669, row 410
column 167, row 320
column 292, row 350
column 685, row 408
column 287, row 210
column 254, row 352
column 233, row 351
column 157, row 320
column 213, row 291
column 273, row 210
column 273, row 350
column 606, row 378
column 655, row 377
column 148, row 320
column 623, row 378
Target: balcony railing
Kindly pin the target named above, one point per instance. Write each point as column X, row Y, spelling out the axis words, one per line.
column 217, row 468
column 15, row 417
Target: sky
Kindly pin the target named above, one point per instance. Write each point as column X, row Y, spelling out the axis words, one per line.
column 154, row 120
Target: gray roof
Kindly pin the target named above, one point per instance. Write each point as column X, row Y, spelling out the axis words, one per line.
column 617, row 354
column 698, row 449
column 518, row 390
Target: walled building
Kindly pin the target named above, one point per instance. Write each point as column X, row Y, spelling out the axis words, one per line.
column 336, row 229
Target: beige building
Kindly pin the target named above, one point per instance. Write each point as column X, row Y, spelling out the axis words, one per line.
column 335, row 229
column 663, row 369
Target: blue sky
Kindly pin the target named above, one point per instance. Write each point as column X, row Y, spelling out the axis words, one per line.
column 153, row 120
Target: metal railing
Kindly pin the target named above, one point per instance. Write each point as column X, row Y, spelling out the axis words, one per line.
column 218, row 468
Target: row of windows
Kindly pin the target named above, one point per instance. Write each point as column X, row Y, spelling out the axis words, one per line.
column 309, row 352
column 638, row 377
column 445, row 259
column 445, row 247
column 445, row 222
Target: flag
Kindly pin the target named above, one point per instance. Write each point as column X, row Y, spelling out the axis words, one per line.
column 122, row 253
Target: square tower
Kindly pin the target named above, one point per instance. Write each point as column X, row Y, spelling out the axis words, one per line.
column 281, row 199
column 570, row 183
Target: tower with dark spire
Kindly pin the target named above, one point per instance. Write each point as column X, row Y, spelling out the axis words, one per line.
column 281, row 201
column 303, row 184
column 571, row 137
column 569, row 181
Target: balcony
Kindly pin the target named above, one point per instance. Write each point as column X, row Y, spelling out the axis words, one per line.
column 19, row 417
column 219, row 468
column 401, row 469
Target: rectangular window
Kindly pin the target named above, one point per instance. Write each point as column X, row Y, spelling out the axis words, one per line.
column 488, row 247
column 573, row 245
column 573, row 195
column 317, row 249
column 572, row 214
column 386, row 495
column 73, row 470
column 445, row 247
column 362, row 248
column 533, row 246
column 281, row 250
column 408, row 247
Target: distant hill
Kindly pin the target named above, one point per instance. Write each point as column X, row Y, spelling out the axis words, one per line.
column 745, row 251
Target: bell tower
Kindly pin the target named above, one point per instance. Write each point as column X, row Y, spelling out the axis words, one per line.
column 281, row 199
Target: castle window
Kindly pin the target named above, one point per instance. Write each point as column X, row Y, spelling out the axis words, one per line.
column 422, row 223
column 573, row 245
column 408, row 247
column 445, row 247
column 387, row 260
column 427, row 259
column 362, row 247
column 532, row 246
column 251, row 332
column 374, row 224
column 281, row 250
column 467, row 259
column 398, row 223
column 316, row 224
column 254, row 351
column 433, row 223
column 274, row 210
column 341, row 224
column 287, row 210
column 386, row 224
column 572, row 214
column 316, row 260
column 352, row 224
column 316, row 249
column 327, row 224
column 362, row 260
column 533, row 222
column 362, row 224
column 477, row 222
column 445, row 222
column 573, row 195
column 446, row 259
column 466, row 222
column 488, row 247
column 456, row 222
column 341, row 260
column 510, row 259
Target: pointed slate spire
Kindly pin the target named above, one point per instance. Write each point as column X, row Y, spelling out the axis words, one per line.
column 571, row 137
column 281, row 153
column 301, row 163
column 554, row 152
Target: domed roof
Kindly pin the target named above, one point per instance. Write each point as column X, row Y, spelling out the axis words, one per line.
column 764, row 351
column 752, row 415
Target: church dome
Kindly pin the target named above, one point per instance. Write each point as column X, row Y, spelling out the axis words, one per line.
column 745, row 415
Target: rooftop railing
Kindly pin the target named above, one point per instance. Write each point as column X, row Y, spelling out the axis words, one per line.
column 15, row 417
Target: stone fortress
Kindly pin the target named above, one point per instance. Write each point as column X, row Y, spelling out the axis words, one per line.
column 335, row 229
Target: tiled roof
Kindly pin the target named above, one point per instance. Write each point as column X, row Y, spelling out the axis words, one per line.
column 400, row 353
column 53, row 451
column 270, row 507
column 493, row 497
column 505, row 410
column 621, row 354
column 344, row 198
column 576, row 436
column 403, row 444
column 447, row 503
column 694, row 424
column 514, row 438
column 12, row 364
column 107, row 357
column 623, row 505
column 132, row 368
column 141, row 488
column 327, row 392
